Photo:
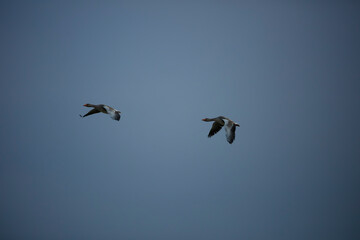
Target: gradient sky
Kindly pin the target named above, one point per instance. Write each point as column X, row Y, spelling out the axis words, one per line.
column 287, row 72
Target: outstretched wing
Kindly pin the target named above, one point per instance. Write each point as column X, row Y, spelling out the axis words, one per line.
column 92, row 111
column 216, row 127
column 114, row 114
column 230, row 132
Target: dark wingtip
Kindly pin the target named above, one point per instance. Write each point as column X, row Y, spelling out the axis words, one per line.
column 81, row 116
column 230, row 141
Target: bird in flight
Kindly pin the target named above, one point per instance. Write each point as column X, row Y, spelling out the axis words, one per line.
column 114, row 114
column 219, row 122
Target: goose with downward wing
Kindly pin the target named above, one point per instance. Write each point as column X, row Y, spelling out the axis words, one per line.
column 114, row 114
column 219, row 122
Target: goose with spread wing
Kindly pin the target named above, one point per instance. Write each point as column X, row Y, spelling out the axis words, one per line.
column 219, row 122
column 114, row 114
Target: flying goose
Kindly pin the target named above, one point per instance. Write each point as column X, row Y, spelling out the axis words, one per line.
column 114, row 114
column 219, row 122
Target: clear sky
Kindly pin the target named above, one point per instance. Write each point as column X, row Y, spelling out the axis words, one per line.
column 287, row 72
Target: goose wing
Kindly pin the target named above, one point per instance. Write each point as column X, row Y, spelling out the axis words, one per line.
column 230, row 132
column 114, row 114
column 92, row 111
column 216, row 127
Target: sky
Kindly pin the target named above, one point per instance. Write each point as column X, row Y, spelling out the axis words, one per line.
column 287, row 72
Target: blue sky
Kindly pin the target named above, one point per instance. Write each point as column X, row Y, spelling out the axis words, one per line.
column 287, row 72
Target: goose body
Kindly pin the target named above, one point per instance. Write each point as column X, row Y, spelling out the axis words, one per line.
column 114, row 114
column 219, row 122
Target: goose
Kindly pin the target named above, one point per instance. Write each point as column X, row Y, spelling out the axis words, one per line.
column 114, row 114
column 219, row 122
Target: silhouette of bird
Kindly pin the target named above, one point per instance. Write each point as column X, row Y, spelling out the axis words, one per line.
column 219, row 122
column 114, row 114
